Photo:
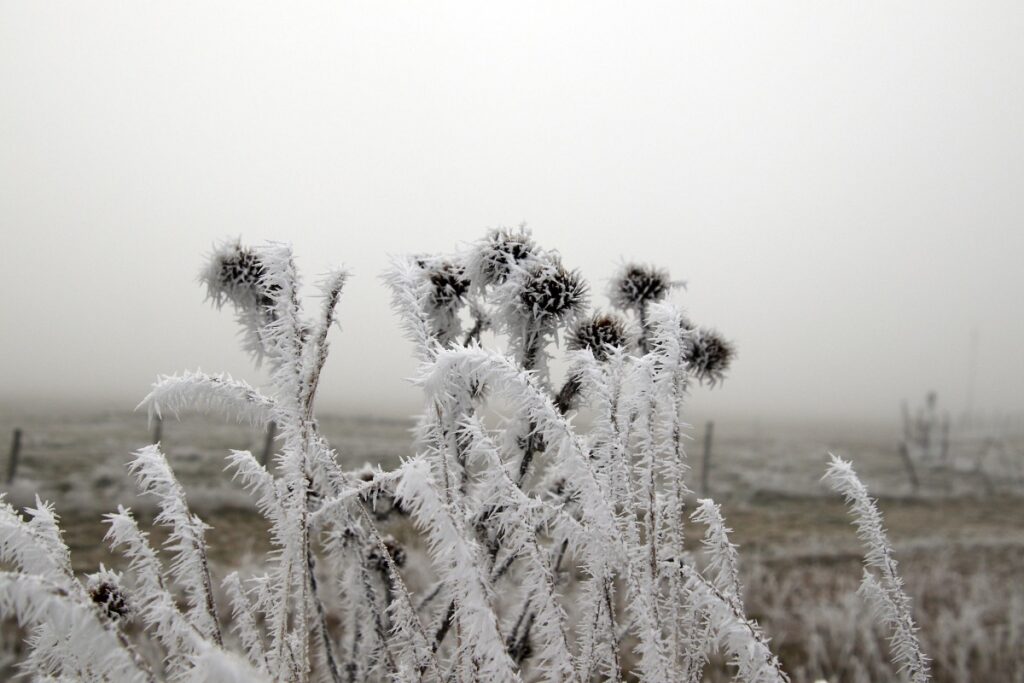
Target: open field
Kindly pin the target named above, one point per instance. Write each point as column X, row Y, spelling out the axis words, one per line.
column 960, row 541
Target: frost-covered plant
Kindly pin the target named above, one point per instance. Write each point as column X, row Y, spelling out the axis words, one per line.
column 881, row 586
column 556, row 553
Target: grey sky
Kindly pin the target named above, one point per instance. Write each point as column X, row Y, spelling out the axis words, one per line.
column 839, row 182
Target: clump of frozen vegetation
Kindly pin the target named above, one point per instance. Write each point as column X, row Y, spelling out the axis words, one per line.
column 557, row 552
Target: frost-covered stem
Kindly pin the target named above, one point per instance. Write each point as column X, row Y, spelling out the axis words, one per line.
column 651, row 513
column 425, row 655
column 598, row 514
column 245, row 623
column 444, row 626
column 211, row 608
column 532, row 347
column 520, row 531
column 182, row 639
column 204, row 392
column 137, row 658
column 568, row 393
column 305, row 595
column 609, row 603
column 318, row 345
column 474, row 333
column 742, row 638
column 641, row 312
column 71, row 641
column 187, row 536
column 321, row 613
column 675, row 534
column 893, row 603
column 457, row 559
column 724, row 562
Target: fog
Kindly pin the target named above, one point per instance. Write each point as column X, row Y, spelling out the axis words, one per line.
column 839, row 183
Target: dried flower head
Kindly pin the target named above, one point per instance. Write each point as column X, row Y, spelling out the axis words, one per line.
column 377, row 560
column 501, row 250
column 236, row 273
column 448, row 285
column 553, row 294
column 600, row 333
column 366, row 473
column 708, row 356
column 635, row 286
column 105, row 590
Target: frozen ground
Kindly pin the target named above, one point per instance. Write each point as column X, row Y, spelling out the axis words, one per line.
column 960, row 539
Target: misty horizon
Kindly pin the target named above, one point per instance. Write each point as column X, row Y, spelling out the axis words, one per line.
column 840, row 188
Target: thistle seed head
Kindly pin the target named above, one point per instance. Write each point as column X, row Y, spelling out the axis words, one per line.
column 236, row 273
column 600, row 333
column 553, row 294
column 708, row 356
column 366, row 473
column 105, row 591
column 635, row 286
column 499, row 251
column 448, row 285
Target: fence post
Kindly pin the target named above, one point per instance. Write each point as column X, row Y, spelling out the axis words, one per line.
column 944, row 454
column 709, row 432
column 909, row 464
column 268, row 444
column 12, row 460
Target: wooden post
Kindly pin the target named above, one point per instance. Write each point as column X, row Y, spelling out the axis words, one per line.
column 158, row 429
column 705, row 473
column 909, row 464
column 908, row 430
column 268, row 444
column 944, row 454
column 12, row 460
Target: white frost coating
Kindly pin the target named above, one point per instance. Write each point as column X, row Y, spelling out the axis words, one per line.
column 201, row 391
column 884, row 591
column 35, row 546
column 557, row 550
column 73, row 644
column 458, row 560
column 187, row 539
column 740, row 637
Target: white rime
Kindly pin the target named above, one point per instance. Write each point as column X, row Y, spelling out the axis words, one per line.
column 556, row 546
column 881, row 585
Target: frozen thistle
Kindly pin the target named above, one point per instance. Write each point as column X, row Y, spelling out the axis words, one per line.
column 636, row 285
column 635, row 288
column 882, row 584
column 556, row 551
column 448, row 283
column 445, row 286
column 254, row 282
column 494, row 257
column 552, row 294
column 601, row 333
column 104, row 588
column 236, row 273
column 708, row 356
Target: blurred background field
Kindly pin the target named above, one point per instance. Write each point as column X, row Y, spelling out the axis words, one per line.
column 959, row 536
